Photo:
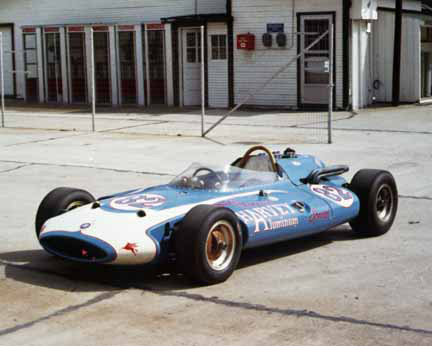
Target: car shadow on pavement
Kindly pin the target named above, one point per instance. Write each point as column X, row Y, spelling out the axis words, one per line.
column 38, row 268
column 272, row 252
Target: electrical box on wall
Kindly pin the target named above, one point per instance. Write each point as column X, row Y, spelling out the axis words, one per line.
column 246, row 41
column 267, row 40
column 364, row 9
column 281, row 39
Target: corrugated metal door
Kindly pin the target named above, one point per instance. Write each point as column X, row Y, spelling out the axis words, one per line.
column 126, row 54
column 53, row 70
column 31, row 65
column 8, row 66
column 77, row 65
column 102, row 65
column 156, row 58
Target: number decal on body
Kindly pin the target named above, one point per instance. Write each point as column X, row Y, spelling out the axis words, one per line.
column 337, row 195
column 137, row 202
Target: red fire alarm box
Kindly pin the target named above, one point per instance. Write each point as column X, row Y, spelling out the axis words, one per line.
column 246, row 41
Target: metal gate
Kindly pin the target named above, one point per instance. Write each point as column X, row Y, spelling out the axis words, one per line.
column 322, row 67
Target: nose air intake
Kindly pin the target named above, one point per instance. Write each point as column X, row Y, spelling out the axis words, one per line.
column 77, row 249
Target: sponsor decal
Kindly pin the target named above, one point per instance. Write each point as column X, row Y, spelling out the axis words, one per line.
column 131, row 247
column 263, row 217
column 318, row 216
column 337, row 195
column 296, row 163
column 137, row 202
column 234, row 203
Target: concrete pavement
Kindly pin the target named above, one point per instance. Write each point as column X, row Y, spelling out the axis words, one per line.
column 328, row 289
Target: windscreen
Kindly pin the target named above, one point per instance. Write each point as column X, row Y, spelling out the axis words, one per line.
column 227, row 178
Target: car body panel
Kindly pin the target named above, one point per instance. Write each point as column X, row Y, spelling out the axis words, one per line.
column 268, row 213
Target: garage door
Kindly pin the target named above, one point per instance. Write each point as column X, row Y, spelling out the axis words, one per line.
column 7, row 47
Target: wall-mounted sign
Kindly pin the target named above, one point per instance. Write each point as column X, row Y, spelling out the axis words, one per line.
column 156, row 26
column 126, row 28
column 51, row 29
column 326, row 67
column 101, row 28
column 246, row 41
column 75, row 29
column 29, row 30
column 275, row 27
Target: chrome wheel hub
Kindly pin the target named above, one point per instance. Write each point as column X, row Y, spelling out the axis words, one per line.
column 384, row 203
column 220, row 246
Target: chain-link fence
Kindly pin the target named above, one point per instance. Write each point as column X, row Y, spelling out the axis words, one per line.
column 91, row 78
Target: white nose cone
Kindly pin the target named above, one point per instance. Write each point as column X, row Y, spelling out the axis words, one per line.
column 126, row 233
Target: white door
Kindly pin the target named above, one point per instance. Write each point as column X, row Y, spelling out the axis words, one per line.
column 8, row 66
column 191, row 67
column 314, row 64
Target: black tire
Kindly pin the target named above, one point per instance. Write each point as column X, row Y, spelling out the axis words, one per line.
column 378, row 196
column 59, row 201
column 199, row 229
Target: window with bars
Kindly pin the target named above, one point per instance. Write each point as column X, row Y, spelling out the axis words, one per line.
column 313, row 28
column 218, row 47
column 193, row 42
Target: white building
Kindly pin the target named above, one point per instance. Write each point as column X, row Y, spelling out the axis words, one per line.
column 148, row 52
column 134, row 50
column 363, row 51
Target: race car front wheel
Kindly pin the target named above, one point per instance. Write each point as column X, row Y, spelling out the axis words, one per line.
column 378, row 196
column 208, row 244
column 59, row 201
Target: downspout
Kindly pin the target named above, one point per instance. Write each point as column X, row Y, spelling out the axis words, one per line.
column 397, row 53
column 293, row 29
column 346, row 54
column 230, row 34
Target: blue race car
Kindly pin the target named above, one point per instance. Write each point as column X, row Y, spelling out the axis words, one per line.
column 207, row 215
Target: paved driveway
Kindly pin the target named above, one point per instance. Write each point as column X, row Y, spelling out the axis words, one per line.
column 330, row 289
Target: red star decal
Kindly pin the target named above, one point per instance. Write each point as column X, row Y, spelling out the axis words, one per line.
column 131, row 247
column 84, row 252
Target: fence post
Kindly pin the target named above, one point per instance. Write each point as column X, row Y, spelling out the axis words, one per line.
column 331, row 84
column 202, row 81
column 2, row 81
column 93, row 87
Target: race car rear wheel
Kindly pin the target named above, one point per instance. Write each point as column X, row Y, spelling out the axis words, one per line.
column 208, row 244
column 378, row 196
column 59, row 201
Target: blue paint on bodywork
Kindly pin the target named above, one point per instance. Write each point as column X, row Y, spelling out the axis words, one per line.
column 286, row 209
column 299, row 167
column 267, row 219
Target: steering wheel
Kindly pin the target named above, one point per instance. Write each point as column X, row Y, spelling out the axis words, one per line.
column 248, row 155
column 206, row 169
